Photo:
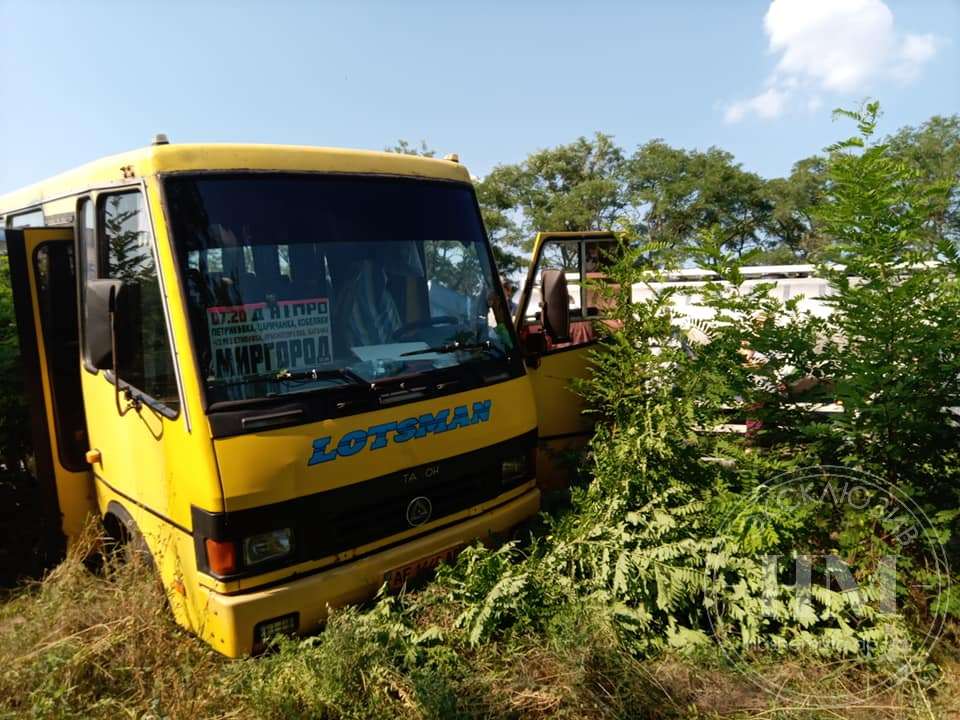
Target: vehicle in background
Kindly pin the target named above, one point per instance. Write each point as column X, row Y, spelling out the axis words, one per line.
column 559, row 310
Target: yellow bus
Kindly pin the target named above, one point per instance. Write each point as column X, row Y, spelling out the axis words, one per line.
column 288, row 372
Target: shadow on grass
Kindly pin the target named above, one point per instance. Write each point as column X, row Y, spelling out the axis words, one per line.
column 31, row 541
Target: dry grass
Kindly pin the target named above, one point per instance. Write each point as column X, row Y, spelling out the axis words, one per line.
column 102, row 644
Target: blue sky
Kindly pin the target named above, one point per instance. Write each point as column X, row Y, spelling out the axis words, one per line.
column 491, row 81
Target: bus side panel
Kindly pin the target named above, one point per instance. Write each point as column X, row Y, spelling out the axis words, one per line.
column 155, row 459
column 563, row 427
column 154, row 466
column 172, row 552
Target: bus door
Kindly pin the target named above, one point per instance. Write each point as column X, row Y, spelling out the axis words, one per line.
column 43, row 279
column 136, row 428
column 557, row 356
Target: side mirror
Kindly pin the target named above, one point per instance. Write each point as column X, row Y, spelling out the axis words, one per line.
column 101, row 305
column 534, row 343
column 556, row 305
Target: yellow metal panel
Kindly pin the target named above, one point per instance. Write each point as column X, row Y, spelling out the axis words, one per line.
column 171, row 158
column 228, row 620
column 183, row 157
column 271, row 466
column 559, row 408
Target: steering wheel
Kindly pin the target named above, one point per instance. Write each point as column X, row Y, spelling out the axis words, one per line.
column 404, row 331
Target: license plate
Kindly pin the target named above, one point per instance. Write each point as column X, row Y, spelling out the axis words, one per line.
column 405, row 573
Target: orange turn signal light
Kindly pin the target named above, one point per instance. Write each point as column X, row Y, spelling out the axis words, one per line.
column 221, row 556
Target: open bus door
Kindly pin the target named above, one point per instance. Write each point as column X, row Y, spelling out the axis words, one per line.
column 44, row 284
column 558, row 348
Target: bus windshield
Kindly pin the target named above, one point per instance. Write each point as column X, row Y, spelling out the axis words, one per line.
column 296, row 282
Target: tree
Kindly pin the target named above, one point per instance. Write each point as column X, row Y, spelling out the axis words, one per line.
column 130, row 259
column 793, row 202
column 575, row 187
column 897, row 366
column 933, row 151
column 680, row 193
column 669, row 196
column 403, row 147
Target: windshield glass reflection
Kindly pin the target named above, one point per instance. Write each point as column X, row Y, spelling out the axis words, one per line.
column 301, row 282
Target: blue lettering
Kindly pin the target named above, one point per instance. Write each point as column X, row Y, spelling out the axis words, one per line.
column 352, row 443
column 356, row 440
column 406, row 430
column 481, row 411
column 379, row 433
column 461, row 418
column 432, row 423
column 320, row 453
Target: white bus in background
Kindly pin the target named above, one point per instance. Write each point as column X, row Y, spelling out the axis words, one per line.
column 789, row 282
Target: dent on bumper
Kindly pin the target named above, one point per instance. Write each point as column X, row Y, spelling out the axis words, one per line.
column 228, row 621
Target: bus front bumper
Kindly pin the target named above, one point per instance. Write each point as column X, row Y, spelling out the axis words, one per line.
column 230, row 620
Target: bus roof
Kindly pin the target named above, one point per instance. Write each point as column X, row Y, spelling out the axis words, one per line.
column 154, row 159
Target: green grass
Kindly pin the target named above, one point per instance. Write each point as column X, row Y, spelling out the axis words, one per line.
column 103, row 645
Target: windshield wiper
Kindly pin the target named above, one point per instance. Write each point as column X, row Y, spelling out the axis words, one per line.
column 454, row 347
column 345, row 374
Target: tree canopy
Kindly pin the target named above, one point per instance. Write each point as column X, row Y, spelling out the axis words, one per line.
column 669, row 196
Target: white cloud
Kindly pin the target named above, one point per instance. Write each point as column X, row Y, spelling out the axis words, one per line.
column 831, row 46
column 914, row 52
column 767, row 105
column 837, row 44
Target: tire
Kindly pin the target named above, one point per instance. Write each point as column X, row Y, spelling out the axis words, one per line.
column 124, row 541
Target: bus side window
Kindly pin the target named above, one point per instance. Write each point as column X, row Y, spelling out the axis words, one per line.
column 144, row 359
column 33, row 218
column 87, row 232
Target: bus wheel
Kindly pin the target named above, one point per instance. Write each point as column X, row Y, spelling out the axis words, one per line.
column 124, row 542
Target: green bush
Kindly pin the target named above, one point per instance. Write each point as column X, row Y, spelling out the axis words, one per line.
column 670, row 527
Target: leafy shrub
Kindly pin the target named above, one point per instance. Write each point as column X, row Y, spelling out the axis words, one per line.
column 650, row 539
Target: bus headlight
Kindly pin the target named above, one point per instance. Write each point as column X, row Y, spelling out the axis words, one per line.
column 267, row 546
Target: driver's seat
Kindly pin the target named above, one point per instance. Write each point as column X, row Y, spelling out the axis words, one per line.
column 366, row 308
